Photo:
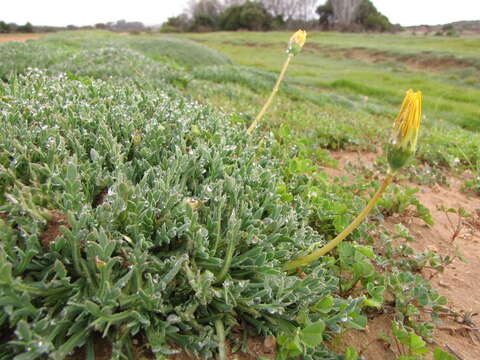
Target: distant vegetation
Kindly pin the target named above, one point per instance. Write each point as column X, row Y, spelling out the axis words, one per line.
column 366, row 17
column 14, row 28
column 214, row 15
column 265, row 15
column 119, row 26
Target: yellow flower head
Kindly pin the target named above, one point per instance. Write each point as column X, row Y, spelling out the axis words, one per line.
column 405, row 130
column 296, row 42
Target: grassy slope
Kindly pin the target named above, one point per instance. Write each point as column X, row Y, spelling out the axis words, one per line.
column 307, row 121
column 448, row 97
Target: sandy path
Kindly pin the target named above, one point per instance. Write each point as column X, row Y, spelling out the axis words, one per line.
column 18, row 37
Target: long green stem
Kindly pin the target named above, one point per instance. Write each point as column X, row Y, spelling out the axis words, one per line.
column 305, row 260
column 222, row 354
column 272, row 95
column 227, row 262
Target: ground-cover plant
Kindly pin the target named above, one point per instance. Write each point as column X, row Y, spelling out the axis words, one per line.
column 16, row 57
column 188, row 233
column 190, row 54
column 119, row 62
column 473, row 185
column 399, row 199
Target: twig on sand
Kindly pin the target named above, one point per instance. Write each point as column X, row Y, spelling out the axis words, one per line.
column 454, row 352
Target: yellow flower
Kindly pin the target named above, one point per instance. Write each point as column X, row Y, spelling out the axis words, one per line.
column 405, row 130
column 296, row 42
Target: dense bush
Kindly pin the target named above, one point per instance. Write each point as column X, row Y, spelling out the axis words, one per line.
column 367, row 17
column 248, row 16
column 371, row 19
column 14, row 28
column 4, row 27
column 178, row 23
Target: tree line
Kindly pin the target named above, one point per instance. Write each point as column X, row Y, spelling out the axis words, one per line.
column 7, row 28
column 263, row 15
column 253, row 15
column 119, row 26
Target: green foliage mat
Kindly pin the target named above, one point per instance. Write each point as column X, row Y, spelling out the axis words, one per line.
column 190, row 228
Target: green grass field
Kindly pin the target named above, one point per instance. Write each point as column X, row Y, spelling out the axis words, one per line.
column 381, row 72
column 135, row 208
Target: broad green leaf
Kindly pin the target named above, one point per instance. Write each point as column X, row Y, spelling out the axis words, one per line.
column 439, row 354
column 312, row 335
column 351, row 354
column 325, row 305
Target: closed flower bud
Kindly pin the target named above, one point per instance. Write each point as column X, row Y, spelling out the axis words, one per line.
column 296, row 42
column 137, row 139
column 99, row 262
column 194, row 203
column 405, row 131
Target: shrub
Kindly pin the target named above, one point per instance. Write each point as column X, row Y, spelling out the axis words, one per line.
column 178, row 23
column 4, row 27
column 371, row 19
column 27, row 28
column 367, row 17
column 249, row 16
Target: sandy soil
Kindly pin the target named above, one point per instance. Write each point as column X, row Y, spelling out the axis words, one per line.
column 18, row 37
column 372, row 56
column 459, row 335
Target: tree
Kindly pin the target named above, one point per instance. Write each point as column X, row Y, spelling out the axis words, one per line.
column 27, row 28
column 291, row 9
column 204, row 7
column 248, row 16
column 345, row 11
column 180, row 23
column 371, row 19
column 326, row 14
column 348, row 14
column 205, row 14
column 4, row 27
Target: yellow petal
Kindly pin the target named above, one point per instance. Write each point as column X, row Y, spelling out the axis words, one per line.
column 299, row 38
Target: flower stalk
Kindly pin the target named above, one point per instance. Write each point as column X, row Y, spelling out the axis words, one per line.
column 295, row 46
column 401, row 149
column 305, row 260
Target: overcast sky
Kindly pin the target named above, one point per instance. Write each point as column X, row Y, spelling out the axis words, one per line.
column 88, row 12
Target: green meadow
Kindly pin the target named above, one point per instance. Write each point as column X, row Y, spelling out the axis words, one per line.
column 139, row 219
